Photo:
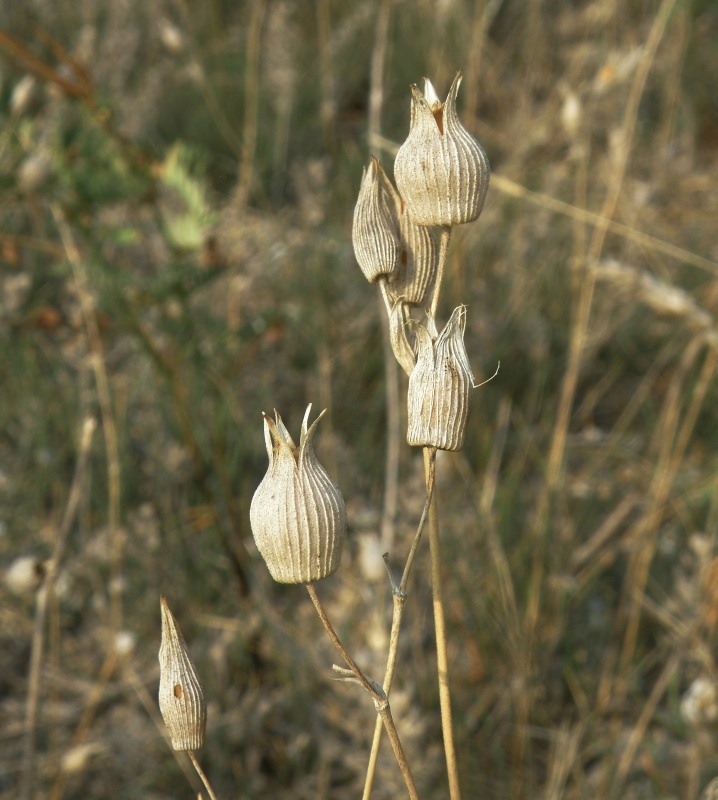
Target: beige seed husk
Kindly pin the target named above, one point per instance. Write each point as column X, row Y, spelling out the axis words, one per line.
column 297, row 514
column 441, row 171
column 417, row 259
column 440, row 386
column 181, row 696
column 375, row 231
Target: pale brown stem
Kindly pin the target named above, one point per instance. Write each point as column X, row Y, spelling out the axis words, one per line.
column 380, row 699
column 104, row 395
column 203, row 777
column 440, row 630
column 399, row 595
column 251, row 102
column 393, row 430
column 27, row 789
column 378, row 57
column 444, row 240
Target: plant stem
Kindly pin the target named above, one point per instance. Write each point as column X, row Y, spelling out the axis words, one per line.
column 440, row 629
column 441, row 268
column 44, row 595
column 380, row 699
column 399, row 595
column 203, row 777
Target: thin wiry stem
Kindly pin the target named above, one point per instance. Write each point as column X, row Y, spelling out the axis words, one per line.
column 393, row 430
column 380, row 699
column 251, row 102
column 104, row 394
column 440, row 269
column 440, row 630
column 203, row 777
column 399, row 595
column 27, row 789
column 92, row 331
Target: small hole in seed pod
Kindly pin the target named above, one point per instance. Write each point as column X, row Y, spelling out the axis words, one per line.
column 404, row 257
column 178, row 690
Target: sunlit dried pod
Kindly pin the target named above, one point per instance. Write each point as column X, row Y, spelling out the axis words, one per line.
column 181, row 696
column 441, row 171
column 297, row 515
column 418, row 256
column 440, row 385
column 375, row 230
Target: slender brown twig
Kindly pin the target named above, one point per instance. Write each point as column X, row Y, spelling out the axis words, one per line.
column 381, row 702
column 203, row 777
column 399, row 596
column 444, row 240
column 38, row 638
column 447, row 726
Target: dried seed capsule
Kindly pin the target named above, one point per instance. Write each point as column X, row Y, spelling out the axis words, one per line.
column 181, row 697
column 375, row 231
column 297, row 514
column 417, row 262
column 441, row 171
column 418, row 255
column 440, row 385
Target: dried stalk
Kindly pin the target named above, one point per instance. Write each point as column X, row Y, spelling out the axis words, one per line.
column 27, row 789
column 381, row 702
column 399, row 596
column 440, row 630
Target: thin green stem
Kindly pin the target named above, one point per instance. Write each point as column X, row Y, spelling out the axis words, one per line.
column 440, row 630
column 381, row 702
column 399, row 595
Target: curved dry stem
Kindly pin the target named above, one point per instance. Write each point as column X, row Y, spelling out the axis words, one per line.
column 379, row 697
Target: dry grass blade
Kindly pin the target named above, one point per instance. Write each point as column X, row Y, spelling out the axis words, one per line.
column 43, row 597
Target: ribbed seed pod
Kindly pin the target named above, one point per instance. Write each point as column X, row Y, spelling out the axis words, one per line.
column 181, row 697
column 417, row 259
column 297, row 514
column 441, row 171
column 375, row 230
column 440, row 386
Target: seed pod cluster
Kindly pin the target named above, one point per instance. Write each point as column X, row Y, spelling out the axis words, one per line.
column 442, row 177
column 181, row 696
column 297, row 514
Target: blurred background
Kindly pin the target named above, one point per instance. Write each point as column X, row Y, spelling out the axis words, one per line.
column 177, row 182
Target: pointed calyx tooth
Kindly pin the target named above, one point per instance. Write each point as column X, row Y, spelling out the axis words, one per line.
column 375, row 230
column 440, row 386
column 441, row 171
column 181, row 696
column 297, row 514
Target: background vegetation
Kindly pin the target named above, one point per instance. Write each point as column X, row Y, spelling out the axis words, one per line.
column 177, row 183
